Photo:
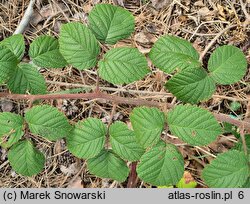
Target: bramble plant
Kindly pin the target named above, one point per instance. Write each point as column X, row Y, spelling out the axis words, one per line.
column 159, row 162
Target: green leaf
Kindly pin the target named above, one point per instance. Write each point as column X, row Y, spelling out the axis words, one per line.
column 44, row 52
column 247, row 183
column 170, row 53
column 15, row 44
column 123, row 65
column 193, row 125
column 25, row 159
column 48, row 122
column 187, row 181
column 191, row 86
column 162, row 165
column 108, row 165
column 11, row 129
column 78, row 45
column 8, row 63
column 124, row 143
column 229, row 128
column 148, row 124
column 235, row 105
column 111, row 23
column 227, row 64
column 228, row 170
column 87, row 138
column 27, row 79
column 239, row 145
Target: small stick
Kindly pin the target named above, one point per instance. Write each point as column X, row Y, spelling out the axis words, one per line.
column 205, row 151
column 242, row 133
column 214, row 40
column 97, row 89
column 26, row 18
column 242, row 136
column 4, row 164
column 243, row 7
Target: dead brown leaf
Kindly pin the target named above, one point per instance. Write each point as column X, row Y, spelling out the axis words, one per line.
column 159, row 4
column 199, row 4
column 188, row 177
column 46, row 12
column 71, row 170
column 77, row 183
column 144, row 41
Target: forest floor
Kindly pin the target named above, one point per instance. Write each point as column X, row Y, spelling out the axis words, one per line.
column 199, row 21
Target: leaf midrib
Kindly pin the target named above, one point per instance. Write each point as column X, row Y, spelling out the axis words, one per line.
column 221, row 65
column 193, row 128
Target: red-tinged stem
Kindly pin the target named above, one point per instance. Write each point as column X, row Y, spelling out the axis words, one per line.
column 132, row 179
column 117, row 100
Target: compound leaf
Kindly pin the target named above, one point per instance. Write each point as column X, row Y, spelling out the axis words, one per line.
column 11, row 129
column 227, row 64
column 228, row 170
column 170, row 53
column 124, row 143
column 193, row 125
column 163, row 165
column 191, row 86
column 87, row 138
column 111, row 23
column 44, row 52
column 108, row 165
column 25, row 159
column 78, row 45
column 47, row 122
column 27, row 79
column 8, row 63
column 15, row 44
column 123, row 65
column 148, row 124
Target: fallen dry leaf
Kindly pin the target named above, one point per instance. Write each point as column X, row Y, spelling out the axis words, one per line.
column 199, row 4
column 159, row 4
column 145, row 38
column 71, row 170
column 144, row 41
column 77, row 183
column 6, row 106
column 204, row 11
column 46, row 12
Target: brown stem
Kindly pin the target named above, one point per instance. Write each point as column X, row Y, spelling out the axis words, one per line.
column 84, row 96
column 132, row 179
column 225, row 118
column 118, row 100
